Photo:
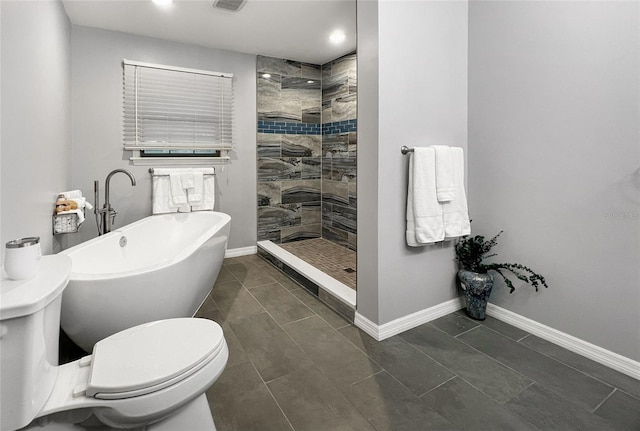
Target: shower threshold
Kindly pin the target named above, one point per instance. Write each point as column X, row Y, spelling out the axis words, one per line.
column 334, row 293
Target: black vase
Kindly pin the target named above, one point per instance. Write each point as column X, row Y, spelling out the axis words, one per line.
column 477, row 288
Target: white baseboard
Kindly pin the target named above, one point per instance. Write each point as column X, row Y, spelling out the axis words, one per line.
column 384, row 331
column 242, row 251
column 598, row 354
column 569, row 342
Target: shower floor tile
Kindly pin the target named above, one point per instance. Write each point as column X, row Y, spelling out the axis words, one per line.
column 335, row 260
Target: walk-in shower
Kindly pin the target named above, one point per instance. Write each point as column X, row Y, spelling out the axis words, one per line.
column 307, row 174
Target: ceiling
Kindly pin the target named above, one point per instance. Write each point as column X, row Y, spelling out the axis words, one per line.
column 292, row 29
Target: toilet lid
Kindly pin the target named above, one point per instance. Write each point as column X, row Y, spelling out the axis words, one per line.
column 152, row 356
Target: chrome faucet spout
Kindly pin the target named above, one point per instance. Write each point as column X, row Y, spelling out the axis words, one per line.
column 108, row 213
column 108, row 181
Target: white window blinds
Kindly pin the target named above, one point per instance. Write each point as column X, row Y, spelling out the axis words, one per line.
column 171, row 108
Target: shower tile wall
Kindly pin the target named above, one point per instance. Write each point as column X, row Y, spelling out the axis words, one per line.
column 339, row 150
column 306, row 150
column 289, row 150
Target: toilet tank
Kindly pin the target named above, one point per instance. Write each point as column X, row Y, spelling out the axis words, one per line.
column 29, row 333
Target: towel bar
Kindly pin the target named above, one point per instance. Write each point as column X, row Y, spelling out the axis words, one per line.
column 151, row 171
column 406, row 150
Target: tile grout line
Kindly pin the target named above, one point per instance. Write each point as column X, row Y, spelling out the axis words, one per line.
column 517, row 341
column 299, row 320
column 455, row 376
column 272, row 396
column 457, row 335
column 382, row 370
column 603, row 401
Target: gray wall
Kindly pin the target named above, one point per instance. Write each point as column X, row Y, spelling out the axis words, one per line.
column 36, row 123
column 554, row 103
column 418, row 99
column 368, row 102
column 97, row 126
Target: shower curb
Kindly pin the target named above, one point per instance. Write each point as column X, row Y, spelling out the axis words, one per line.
column 338, row 296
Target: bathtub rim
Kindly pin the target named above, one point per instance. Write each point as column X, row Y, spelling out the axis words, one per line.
column 178, row 257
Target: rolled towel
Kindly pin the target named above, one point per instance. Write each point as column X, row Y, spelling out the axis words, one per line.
column 72, row 194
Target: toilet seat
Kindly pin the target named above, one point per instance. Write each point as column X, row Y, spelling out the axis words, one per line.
column 150, row 357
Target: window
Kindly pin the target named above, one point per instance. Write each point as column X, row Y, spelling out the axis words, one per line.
column 174, row 115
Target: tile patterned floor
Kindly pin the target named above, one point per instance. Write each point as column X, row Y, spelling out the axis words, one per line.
column 328, row 257
column 296, row 365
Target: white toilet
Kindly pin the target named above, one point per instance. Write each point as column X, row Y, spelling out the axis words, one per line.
column 149, row 377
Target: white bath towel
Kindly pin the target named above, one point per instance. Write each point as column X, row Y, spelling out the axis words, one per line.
column 424, row 212
column 208, row 191
column 178, row 193
column 455, row 213
column 161, row 199
column 445, row 189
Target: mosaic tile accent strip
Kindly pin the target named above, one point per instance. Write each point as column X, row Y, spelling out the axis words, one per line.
column 337, row 127
column 288, row 128
column 330, row 258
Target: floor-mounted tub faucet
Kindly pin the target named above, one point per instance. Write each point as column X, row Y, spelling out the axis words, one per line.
column 106, row 215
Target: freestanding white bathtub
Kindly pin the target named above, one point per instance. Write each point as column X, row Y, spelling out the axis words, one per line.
column 159, row 267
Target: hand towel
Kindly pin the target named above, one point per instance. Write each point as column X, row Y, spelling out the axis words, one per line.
column 424, row 212
column 194, row 194
column 444, row 173
column 455, row 213
column 178, row 193
column 186, row 177
column 208, row 193
column 161, row 199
